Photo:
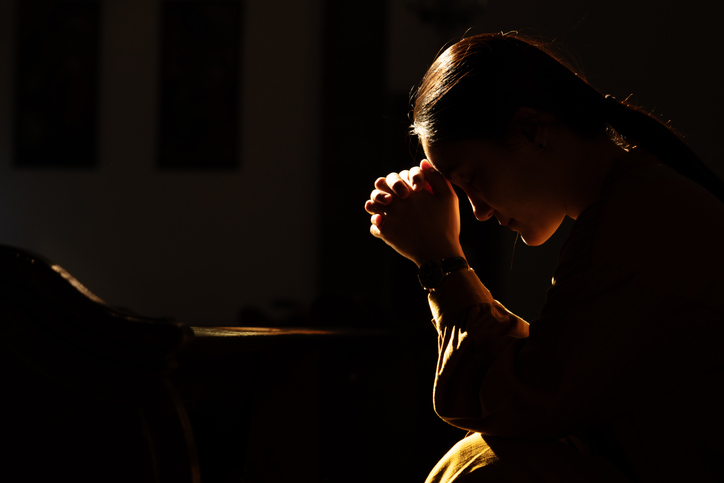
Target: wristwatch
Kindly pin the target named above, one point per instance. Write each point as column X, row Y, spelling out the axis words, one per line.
column 432, row 273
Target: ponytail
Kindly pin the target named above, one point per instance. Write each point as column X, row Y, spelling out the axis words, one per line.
column 637, row 127
column 475, row 86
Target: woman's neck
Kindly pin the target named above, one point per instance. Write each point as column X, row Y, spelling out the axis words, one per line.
column 588, row 162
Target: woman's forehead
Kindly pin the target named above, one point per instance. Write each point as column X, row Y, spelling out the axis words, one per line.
column 446, row 157
column 435, row 153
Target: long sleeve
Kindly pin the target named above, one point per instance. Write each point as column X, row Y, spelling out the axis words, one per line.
column 635, row 312
column 470, row 338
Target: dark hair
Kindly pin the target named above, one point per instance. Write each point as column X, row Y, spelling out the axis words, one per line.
column 473, row 89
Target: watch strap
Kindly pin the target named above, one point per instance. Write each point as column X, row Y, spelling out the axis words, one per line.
column 451, row 264
column 433, row 273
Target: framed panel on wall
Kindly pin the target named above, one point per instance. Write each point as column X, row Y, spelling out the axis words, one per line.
column 200, row 84
column 56, row 84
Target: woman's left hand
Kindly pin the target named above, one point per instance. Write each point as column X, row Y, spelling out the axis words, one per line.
column 416, row 213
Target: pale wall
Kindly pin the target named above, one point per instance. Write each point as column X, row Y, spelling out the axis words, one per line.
column 193, row 245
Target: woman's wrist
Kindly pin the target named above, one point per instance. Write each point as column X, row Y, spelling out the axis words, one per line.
column 433, row 273
column 438, row 255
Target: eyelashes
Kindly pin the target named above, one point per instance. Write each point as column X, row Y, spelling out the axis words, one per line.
column 470, row 183
column 465, row 181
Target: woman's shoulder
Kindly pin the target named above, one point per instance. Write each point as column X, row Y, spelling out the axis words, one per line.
column 648, row 216
column 651, row 230
column 647, row 197
column 651, row 217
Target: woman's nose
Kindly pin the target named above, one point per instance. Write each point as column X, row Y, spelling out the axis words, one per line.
column 481, row 211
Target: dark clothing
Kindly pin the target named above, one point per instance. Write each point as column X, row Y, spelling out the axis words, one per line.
column 627, row 357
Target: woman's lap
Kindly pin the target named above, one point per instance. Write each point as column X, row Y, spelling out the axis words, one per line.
column 478, row 458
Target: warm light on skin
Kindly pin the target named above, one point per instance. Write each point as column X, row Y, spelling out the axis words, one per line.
column 507, row 184
column 530, row 184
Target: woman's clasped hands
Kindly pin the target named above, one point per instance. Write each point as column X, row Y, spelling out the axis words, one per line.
column 416, row 212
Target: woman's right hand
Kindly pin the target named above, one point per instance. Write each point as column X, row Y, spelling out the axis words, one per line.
column 416, row 212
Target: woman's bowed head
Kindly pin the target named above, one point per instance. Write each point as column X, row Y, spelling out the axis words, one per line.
column 527, row 139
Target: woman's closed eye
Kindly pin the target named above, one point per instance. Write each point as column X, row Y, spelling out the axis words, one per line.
column 468, row 180
column 461, row 178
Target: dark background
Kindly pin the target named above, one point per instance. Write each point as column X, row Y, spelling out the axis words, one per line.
column 197, row 175
column 219, row 178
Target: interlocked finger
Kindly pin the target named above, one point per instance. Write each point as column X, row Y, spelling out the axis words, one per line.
column 397, row 185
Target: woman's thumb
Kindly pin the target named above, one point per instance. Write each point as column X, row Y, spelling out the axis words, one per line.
column 438, row 184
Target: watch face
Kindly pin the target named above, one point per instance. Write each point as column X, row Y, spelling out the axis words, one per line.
column 431, row 274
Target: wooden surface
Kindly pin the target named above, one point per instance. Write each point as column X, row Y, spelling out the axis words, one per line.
column 108, row 395
column 241, row 339
column 86, row 391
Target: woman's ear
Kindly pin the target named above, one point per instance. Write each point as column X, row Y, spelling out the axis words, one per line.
column 531, row 124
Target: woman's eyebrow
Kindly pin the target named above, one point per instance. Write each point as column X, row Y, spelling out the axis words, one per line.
column 448, row 171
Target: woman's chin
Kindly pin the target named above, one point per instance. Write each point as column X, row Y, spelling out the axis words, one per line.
column 536, row 235
column 531, row 242
column 534, row 239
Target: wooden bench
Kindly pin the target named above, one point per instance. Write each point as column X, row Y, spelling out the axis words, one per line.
column 102, row 394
